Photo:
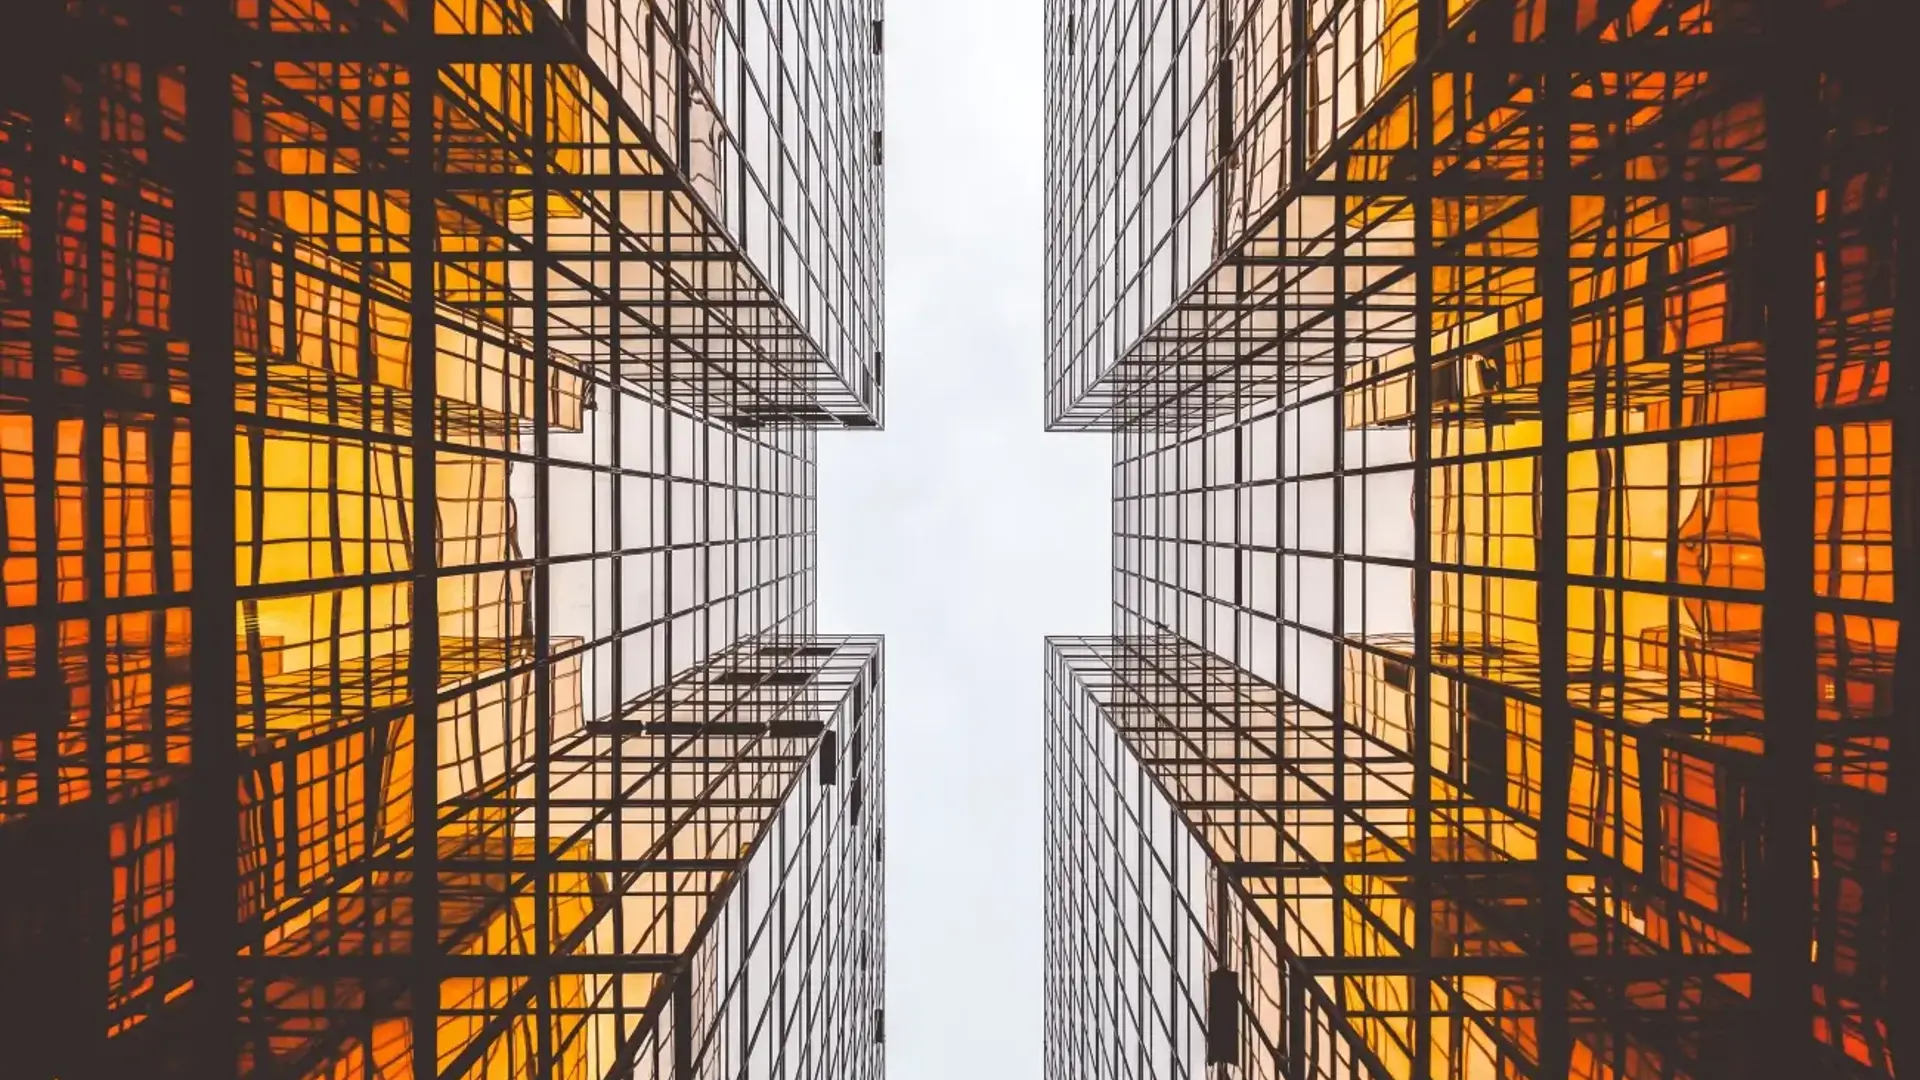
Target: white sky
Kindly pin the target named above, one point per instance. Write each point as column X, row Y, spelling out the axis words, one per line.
column 965, row 534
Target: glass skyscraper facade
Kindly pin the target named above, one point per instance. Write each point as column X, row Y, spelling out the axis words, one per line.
column 407, row 433
column 1510, row 431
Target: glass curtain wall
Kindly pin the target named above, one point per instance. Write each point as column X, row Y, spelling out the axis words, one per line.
column 396, row 398
column 1510, row 391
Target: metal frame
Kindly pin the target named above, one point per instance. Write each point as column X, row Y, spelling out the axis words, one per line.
column 497, row 470
column 1505, row 537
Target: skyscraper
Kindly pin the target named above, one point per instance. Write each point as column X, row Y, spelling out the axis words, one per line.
column 407, row 425
column 1509, row 424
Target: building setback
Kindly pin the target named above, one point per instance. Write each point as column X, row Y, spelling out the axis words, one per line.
column 407, row 439
column 1509, row 426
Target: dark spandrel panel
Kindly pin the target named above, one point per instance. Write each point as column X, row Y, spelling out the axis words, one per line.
column 54, row 945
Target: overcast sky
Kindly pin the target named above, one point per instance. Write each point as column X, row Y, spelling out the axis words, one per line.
column 965, row 534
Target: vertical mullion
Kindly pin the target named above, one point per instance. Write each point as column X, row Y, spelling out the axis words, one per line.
column 93, row 458
column 1556, row 720
column 424, row 669
column 44, row 193
column 617, row 625
column 209, row 827
column 1783, row 897
column 1336, row 399
column 543, row 901
column 1428, row 33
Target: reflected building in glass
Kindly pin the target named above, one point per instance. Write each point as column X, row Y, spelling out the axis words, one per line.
column 407, row 432
column 1510, row 447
